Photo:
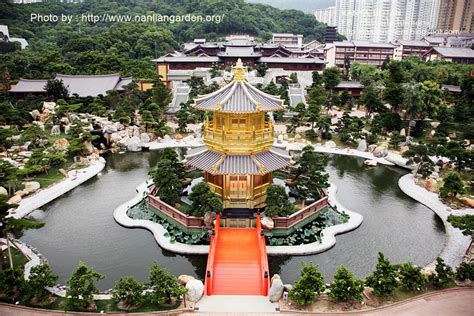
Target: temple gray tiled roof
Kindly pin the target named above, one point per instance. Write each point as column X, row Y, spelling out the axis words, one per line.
column 239, row 97
column 82, row 85
column 217, row 163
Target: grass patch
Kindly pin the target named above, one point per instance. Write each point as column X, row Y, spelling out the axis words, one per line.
column 53, row 175
column 18, row 258
column 185, row 208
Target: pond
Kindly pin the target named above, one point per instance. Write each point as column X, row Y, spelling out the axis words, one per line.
column 80, row 226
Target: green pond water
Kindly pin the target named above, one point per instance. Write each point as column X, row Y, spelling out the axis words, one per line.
column 79, row 226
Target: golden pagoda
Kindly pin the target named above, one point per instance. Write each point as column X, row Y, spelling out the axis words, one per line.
column 238, row 157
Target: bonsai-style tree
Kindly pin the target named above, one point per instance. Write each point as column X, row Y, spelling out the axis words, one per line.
column 308, row 286
column 167, row 181
column 443, row 275
column 271, row 88
column 171, row 155
column 261, row 69
column 8, row 176
column 163, row 286
column 465, row 223
column 307, row 161
column 215, row 70
column 316, row 100
column 465, row 271
column 78, row 136
column 147, row 120
column 297, row 120
column 384, row 279
column 81, row 287
column 345, row 286
column 34, row 134
column 204, row 200
column 161, row 94
column 11, row 281
column 129, row 292
column 41, row 276
column 277, row 202
column 411, row 277
column 452, row 186
column 56, row 89
column 418, row 154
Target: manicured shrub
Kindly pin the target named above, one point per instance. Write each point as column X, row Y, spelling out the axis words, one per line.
column 40, row 277
column 277, row 202
column 384, row 279
column 346, row 287
column 411, row 277
column 163, row 285
column 308, row 286
column 128, row 291
column 465, row 271
column 204, row 200
column 443, row 275
column 81, row 289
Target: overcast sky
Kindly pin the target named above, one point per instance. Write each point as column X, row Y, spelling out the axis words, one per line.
column 307, row 6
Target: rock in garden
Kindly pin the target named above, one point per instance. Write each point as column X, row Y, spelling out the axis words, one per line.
column 427, row 271
column 166, row 137
column 380, row 152
column 362, row 146
column 63, row 172
column 467, row 201
column 61, row 144
column 134, row 144
column 32, row 186
column 183, row 279
column 178, row 136
column 287, row 287
column 403, row 133
column 267, row 223
column 430, row 185
column 452, row 135
column 280, row 139
column 404, row 149
column 195, row 290
column 35, row 114
column 55, row 130
column 276, row 290
column 330, row 144
column 14, row 199
column 109, row 129
column 370, row 163
column 3, row 191
column 144, row 138
column 371, row 148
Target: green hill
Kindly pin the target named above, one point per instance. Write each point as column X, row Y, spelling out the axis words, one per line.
column 87, row 47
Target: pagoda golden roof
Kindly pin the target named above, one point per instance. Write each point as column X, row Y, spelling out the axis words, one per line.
column 239, row 96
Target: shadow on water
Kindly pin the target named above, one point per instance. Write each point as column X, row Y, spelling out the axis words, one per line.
column 80, row 226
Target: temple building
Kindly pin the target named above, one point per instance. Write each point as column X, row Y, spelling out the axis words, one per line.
column 201, row 54
column 238, row 157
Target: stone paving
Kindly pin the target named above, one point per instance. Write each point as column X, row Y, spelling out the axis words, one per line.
column 456, row 243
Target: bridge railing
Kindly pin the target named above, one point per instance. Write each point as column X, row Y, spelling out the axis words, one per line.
column 263, row 257
column 212, row 254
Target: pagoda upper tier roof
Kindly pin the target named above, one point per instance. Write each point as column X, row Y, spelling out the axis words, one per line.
column 218, row 163
column 239, row 97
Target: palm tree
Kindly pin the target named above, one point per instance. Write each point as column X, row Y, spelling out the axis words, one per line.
column 8, row 224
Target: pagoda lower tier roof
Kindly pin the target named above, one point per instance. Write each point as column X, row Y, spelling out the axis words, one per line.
column 256, row 164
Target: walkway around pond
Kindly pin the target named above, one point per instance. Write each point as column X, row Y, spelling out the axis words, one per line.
column 44, row 196
column 456, row 243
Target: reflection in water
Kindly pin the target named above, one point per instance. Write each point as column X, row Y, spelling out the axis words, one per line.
column 80, row 226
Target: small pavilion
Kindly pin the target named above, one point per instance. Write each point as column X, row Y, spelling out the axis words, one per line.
column 238, row 157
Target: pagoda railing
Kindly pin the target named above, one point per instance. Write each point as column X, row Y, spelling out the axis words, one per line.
column 186, row 220
column 295, row 218
column 238, row 141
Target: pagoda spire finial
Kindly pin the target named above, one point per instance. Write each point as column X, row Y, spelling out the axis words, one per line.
column 239, row 71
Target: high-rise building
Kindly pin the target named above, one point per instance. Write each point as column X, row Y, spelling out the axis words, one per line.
column 456, row 16
column 327, row 16
column 384, row 20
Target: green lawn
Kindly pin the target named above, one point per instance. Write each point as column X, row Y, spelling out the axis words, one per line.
column 53, row 175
